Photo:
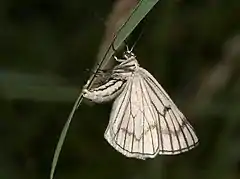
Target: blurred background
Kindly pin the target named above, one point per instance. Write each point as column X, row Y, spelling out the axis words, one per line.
column 46, row 50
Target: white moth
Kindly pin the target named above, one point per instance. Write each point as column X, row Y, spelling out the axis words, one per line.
column 144, row 121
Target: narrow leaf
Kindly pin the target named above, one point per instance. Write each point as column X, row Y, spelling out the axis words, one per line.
column 63, row 136
column 138, row 13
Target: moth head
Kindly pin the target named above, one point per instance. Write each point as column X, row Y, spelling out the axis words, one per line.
column 128, row 54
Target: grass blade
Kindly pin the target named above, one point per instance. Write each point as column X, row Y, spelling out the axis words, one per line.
column 138, row 13
column 63, row 136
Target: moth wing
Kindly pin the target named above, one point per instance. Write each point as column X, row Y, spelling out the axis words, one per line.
column 176, row 135
column 133, row 128
column 145, row 122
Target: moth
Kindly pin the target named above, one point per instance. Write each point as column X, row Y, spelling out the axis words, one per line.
column 144, row 121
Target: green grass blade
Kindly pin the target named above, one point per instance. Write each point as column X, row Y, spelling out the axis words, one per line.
column 63, row 136
column 138, row 13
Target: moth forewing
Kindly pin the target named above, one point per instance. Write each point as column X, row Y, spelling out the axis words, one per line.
column 144, row 121
column 177, row 134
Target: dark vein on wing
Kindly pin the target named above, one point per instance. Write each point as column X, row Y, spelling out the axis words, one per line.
column 176, row 133
column 126, row 131
column 164, row 116
column 119, row 126
column 158, row 120
column 117, row 133
column 157, row 85
column 183, row 121
column 143, row 134
column 133, row 123
column 160, row 128
column 178, row 150
column 150, row 110
column 124, row 97
column 150, row 127
column 187, row 124
column 133, row 117
column 170, row 133
column 181, row 126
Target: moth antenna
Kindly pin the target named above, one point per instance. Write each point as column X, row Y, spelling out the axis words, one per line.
column 127, row 47
column 140, row 35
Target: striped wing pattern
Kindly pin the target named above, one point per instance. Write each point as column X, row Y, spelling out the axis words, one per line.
column 144, row 121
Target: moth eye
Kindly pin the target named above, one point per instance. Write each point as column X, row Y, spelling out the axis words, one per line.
column 127, row 54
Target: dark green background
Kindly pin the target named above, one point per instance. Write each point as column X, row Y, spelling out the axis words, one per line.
column 46, row 48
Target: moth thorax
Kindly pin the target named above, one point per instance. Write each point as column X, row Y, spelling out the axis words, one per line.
column 128, row 65
column 130, row 59
column 132, row 64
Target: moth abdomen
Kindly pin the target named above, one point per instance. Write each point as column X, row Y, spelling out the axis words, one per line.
column 105, row 92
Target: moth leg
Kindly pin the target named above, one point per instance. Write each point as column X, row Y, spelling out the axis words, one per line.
column 115, row 58
column 119, row 59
